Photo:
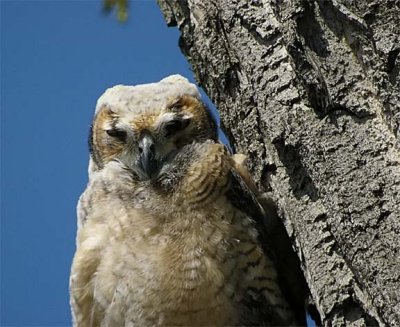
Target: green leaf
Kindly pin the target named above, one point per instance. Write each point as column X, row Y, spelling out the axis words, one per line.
column 121, row 7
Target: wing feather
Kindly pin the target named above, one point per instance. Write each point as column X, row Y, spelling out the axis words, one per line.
column 241, row 195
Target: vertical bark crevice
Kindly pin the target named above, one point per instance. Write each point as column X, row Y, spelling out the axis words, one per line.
column 299, row 179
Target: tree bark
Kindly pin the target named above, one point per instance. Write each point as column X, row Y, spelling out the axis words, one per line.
column 310, row 91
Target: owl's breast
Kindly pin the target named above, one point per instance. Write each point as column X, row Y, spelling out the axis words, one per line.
column 169, row 274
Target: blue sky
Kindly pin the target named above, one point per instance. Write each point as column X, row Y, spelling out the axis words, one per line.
column 57, row 58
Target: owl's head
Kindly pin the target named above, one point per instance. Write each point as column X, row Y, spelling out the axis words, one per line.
column 145, row 126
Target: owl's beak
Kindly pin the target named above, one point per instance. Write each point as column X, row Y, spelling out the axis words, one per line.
column 147, row 156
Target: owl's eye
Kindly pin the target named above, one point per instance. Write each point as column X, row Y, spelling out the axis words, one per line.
column 117, row 133
column 176, row 125
column 176, row 106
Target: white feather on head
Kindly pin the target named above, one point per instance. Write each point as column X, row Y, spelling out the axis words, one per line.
column 145, row 97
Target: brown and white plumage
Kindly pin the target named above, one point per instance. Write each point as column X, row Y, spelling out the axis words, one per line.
column 170, row 233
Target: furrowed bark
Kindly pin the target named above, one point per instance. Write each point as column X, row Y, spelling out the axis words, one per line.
column 310, row 91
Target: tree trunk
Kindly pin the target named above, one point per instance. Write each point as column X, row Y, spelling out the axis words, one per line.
column 310, row 91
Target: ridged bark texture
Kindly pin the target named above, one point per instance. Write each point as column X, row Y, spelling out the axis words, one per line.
column 310, row 91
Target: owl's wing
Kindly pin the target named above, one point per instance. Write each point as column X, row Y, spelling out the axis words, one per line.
column 84, row 206
column 89, row 240
column 81, row 211
column 242, row 197
column 240, row 194
column 272, row 237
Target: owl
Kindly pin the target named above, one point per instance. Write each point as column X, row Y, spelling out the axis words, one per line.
column 170, row 232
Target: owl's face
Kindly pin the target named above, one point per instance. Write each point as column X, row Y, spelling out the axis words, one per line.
column 144, row 141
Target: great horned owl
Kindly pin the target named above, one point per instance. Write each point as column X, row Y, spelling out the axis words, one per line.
column 169, row 231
